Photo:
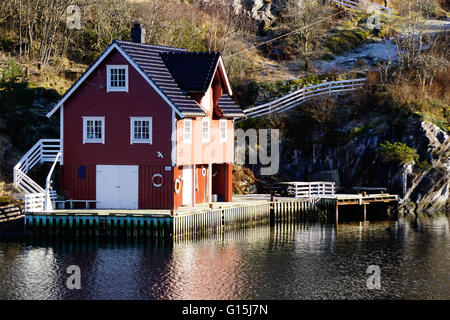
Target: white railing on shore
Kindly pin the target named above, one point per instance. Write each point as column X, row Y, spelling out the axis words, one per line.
column 34, row 202
column 302, row 95
column 311, row 189
column 364, row 5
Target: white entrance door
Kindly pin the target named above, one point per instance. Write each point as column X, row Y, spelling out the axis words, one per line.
column 187, row 185
column 117, row 187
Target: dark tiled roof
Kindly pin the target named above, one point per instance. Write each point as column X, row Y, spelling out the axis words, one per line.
column 193, row 71
column 228, row 107
column 148, row 58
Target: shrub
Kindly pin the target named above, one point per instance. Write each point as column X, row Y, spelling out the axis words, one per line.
column 430, row 9
column 11, row 73
column 398, row 151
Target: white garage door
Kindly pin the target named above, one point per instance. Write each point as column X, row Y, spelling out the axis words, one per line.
column 187, row 185
column 117, row 187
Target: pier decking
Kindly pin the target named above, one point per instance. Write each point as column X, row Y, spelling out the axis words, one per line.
column 187, row 221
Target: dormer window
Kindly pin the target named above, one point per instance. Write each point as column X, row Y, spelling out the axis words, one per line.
column 117, row 78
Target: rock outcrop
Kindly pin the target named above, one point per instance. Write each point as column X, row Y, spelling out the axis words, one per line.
column 422, row 185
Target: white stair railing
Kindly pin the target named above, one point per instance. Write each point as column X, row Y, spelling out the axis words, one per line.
column 48, row 185
column 34, row 196
column 302, row 95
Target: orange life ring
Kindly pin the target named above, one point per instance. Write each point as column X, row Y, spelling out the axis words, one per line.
column 156, row 176
column 177, row 185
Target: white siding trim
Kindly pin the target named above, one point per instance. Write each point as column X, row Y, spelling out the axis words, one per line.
column 210, row 183
column 194, row 180
column 61, row 134
column 174, row 139
column 226, row 77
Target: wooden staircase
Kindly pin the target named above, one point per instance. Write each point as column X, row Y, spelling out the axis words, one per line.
column 36, row 198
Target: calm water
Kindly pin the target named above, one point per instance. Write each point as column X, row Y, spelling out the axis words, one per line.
column 295, row 262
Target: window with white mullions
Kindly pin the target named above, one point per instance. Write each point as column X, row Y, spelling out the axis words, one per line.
column 187, row 130
column 117, row 78
column 223, row 130
column 205, row 130
column 141, row 130
column 93, row 129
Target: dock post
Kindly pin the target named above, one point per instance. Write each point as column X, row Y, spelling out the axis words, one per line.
column 97, row 227
column 365, row 212
column 337, row 213
column 108, row 228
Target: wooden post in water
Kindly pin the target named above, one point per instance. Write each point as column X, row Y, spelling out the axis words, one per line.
column 365, row 212
column 337, row 213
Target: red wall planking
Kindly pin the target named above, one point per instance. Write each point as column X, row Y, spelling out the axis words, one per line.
column 91, row 99
column 151, row 197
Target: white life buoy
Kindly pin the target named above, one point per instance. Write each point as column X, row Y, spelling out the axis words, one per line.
column 177, row 185
column 204, row 172
column 156, row 176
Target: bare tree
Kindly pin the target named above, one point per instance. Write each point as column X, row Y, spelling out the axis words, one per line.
column 298, row 15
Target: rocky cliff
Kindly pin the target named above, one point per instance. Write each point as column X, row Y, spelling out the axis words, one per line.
column 421, row 184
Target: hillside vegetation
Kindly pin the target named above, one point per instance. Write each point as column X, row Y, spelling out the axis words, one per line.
column 41, row 57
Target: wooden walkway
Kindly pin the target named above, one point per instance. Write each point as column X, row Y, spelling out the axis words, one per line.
column 10, row 212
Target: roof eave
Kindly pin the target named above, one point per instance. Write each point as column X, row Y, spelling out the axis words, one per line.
column 113, row 45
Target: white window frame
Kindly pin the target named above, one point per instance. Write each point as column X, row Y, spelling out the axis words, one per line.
column 189, row 139
column 150, row 131
column 224, row 123
column 108, row 78
column 85, row 138
column 206, row 140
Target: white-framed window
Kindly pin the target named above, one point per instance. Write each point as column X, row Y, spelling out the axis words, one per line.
column 117, row 76
column 94, row 130
column 187, row 130
column 223, row 130
column 141, row 130
column 205, row 130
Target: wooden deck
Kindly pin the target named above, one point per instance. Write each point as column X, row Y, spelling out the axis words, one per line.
column 188, row 220
column 106, row 212
column 342, row 199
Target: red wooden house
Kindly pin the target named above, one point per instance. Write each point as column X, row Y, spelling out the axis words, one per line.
column 147, row 127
